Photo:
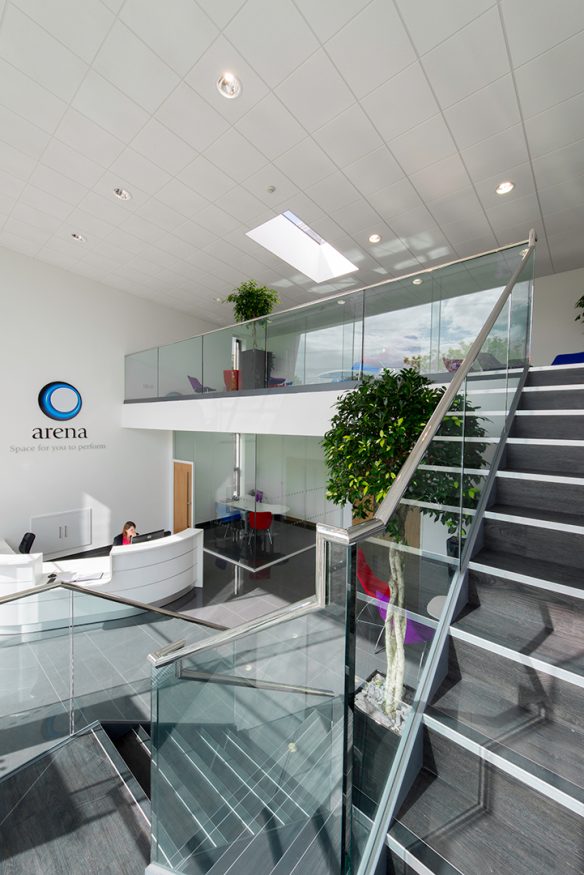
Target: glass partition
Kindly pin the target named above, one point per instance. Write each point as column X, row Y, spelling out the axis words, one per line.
column 426, row 321
column 247, row 750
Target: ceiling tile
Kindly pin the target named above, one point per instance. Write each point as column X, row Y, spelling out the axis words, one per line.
column 139, row 171
column 70, row 163
column 551, row 77
column 163, row 147
column 236, row 155
column 519, row 211
column 57, row 184
column 328, row 16
column 560, row 164
column 431, row 23
column 24, row 213
column 565, row 195
column 206, row 179
column 220, row 57
column 315, row 93
column 111, row 180
column 84, row 223
column 423, row 145
column 463, row 205
column 179, row 32
column 33, row 51
column 334, row 192
column 469, row 60
column 469, row 228
column 107, row 106
column 83, row 135
column 142, row 229
column 46, row 203
column 376, row 33
column 195, row 234
column 29, row 99
column 21, row 134
column 159, row 214
column 565, row 248
column 417, row 229
column 496, row 154
column 403, row 102
column 182, row 198
column 121, row 237
column 484, row 114
column 275, row 35
column 82, row 27
column 356, row 216
column 216, row 221
column 221, row 13
column 394, row 199
column 23, row 238
column 556, row 127
column 476, row 245
column 441, row 178
column 305, row 164
column 134, row 68
column 246, row 208
column 189, row 116
column 521, row 175
column 377, row 169
column 265, row 178
column 348, row 137
column 271, row 126
column 534, row 26
column 107, row 209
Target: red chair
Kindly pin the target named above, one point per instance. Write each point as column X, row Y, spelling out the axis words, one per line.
column 260, row 521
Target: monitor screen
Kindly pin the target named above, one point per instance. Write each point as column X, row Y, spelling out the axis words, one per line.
column 149, row 536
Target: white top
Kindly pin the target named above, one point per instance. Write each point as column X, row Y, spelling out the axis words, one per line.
column 250, row 505
column 5, row 547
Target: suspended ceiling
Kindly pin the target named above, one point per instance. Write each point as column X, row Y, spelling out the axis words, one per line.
column 366, row 116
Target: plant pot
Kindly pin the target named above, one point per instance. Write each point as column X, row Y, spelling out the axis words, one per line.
column 231, row 380
column 369, row 700
column 255, row 366
column 453, row 545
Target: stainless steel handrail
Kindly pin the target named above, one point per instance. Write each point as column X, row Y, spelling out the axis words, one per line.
column 388, row 506
column 229, row 680
column 131, row 603
column 345, row 294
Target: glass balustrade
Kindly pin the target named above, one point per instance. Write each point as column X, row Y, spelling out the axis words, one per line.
column 426, row 321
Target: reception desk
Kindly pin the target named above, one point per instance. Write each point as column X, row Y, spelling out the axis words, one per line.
column 156, row 573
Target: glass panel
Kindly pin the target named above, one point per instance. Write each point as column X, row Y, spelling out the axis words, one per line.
column 141, row 375
column 319, row 344
column 398, row 327
column 34, row 675
column 181, row 369
column 247, row 749
column 245, row 343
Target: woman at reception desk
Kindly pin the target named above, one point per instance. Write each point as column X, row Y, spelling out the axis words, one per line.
column 155, row 572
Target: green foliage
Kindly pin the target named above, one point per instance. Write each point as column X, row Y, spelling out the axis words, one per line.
column 579, row 306
column 372, row 434
column 251, row 301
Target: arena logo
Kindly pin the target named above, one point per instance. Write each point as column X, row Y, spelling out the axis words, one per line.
column 59, row 401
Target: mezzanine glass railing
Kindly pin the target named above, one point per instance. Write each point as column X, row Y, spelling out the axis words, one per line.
column 427, row 320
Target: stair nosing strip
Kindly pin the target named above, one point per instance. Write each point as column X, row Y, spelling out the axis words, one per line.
column 410, row 859
column 535, row 522
column 506, row 765
column 534, row 475
column 516, row 577
column 573, row 366
column 543, row 442
column 553, row 387
column 554, row 411
column 540, row 665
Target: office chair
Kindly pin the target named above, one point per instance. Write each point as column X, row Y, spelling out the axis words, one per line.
column 26, row 543
column 260, row 521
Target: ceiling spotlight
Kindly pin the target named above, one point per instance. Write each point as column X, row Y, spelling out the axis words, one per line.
column 219, row 300
column 418, row 281
column 79, row 237
column 341, row 301
column 271, row 189
column 375, row 238
column 229, row 86
column 505, row 187
column 122, row 194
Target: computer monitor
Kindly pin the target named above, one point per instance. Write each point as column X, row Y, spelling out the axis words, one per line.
column 149, row 536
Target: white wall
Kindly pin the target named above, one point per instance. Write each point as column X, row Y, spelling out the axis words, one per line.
column 554, row 329
column 57, row 326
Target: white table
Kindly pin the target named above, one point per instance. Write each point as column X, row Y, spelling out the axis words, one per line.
column 248, row 504
column 5, row 547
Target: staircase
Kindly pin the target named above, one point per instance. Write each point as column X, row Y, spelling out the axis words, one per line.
column 502, row 784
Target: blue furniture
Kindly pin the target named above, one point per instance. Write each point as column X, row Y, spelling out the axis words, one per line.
column 569, row 358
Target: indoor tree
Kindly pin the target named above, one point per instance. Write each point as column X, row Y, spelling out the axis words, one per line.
column 372, row 434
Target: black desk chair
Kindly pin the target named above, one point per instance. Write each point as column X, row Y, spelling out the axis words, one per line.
column 26, row 543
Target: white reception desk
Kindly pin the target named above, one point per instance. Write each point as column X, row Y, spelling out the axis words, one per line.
column 156, row 573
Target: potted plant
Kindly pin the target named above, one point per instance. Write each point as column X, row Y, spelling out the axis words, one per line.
column 252, row 301
column 371, row 435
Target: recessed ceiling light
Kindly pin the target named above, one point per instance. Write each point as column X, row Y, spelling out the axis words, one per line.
column 418, row 281
column 229, row 86
column 122, row 194
column 341, row 301
column 375, row 238
column 219, row 300
column 505, row 187
column 271, row 189
column 79, row 237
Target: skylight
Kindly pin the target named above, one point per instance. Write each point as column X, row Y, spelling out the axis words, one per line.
column 296, row 243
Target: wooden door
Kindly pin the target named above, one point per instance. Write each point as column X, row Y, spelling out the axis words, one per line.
column 183, row 491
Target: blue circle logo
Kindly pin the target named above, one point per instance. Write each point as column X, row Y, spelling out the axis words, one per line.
column 60, row 401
